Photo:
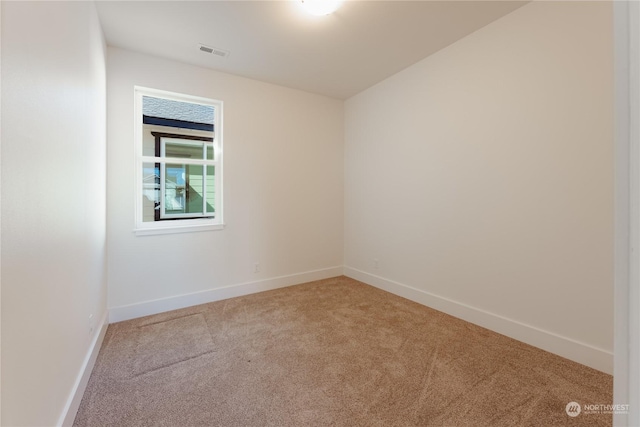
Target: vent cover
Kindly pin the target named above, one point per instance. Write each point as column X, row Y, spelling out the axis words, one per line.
column 214, row 51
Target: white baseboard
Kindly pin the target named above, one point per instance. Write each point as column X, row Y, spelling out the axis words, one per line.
column 585, row 354
column 73, row 402
column 132, row 311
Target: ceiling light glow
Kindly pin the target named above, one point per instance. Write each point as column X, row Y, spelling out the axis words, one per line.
column 320, row 7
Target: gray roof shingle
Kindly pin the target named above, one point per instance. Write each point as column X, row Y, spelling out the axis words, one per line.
column 177, row 110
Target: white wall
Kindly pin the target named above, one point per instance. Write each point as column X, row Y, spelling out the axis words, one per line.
column 626, row 382
column 634, row 286
column 283, row 180
column 53, row 204
column 0, row 218
column 481, row 179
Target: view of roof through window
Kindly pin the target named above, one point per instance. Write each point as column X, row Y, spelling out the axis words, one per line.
column 168, row 112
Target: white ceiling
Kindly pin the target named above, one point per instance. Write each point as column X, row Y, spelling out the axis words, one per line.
column 337, row 55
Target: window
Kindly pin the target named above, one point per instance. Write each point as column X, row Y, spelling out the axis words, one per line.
column 179, row 162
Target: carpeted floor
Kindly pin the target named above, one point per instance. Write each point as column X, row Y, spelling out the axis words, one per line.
column 335, row 352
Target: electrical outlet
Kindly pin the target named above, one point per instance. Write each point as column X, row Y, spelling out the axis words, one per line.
column 376, row 263
column 256, row 267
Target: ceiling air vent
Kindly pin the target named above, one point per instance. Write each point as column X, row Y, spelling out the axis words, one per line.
column 215, row 51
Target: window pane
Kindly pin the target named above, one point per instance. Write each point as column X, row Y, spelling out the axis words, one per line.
column 150, row 191
column 148, row 142
column 209, row 152
column 175, row 189
column 167, row 112
column 184, row 151
column 194, row 188
column 211, row 188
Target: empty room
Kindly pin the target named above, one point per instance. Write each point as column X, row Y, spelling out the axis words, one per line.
column 319, row 212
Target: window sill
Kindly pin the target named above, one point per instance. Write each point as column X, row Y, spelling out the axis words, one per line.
column 173, row 229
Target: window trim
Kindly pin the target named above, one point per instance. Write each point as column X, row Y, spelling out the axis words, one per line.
column 176, row 225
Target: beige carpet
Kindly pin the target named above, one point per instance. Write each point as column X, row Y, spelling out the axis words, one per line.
column 335, row 352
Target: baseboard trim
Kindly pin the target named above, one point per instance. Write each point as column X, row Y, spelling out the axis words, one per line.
column 73, row 402
column 580, row 352
column 132, row 311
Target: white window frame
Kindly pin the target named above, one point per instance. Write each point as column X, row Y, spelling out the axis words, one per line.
column 177, row 225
